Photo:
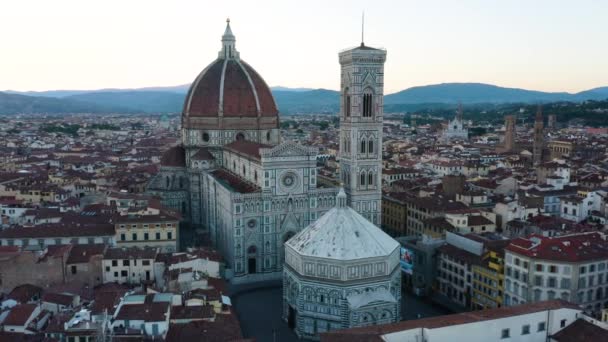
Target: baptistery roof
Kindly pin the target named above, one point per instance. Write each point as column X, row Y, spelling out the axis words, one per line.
column 229, row 87
column 342, row 234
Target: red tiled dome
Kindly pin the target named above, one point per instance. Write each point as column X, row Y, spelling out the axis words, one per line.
column 242, row 94
column 229, row 88
column 174, row 157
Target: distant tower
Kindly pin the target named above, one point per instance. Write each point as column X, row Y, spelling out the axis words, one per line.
column 539, row 137
column 509, row 142
column 362, row 98
column 413, row 123
column 551, row 120
column 459, row 114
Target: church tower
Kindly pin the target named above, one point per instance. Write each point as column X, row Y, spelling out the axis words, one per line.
column 539, row 137
column 509, row 143
column 361, row 112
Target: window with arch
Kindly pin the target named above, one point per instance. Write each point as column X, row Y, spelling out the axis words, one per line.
column 362, row 150
column 346, row 103
column 367, row 103
column 362, row 179
column 370, row 146
column 168, row 182
column 370, row 178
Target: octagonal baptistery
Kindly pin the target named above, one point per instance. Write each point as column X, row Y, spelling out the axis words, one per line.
column 228, row 101
column 340, row 272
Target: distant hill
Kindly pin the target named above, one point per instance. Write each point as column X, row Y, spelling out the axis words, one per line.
column 21, row 104
column 289, row 100
column 140, row 101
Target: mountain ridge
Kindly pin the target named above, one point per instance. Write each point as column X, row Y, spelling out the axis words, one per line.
column 289, row 100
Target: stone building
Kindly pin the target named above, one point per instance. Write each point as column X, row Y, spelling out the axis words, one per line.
column 509, row 141
column 340, row 272
column 455, row 128
column 539, row 138
column 233, row 177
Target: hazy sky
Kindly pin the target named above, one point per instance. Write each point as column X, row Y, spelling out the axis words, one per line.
column 535, row 44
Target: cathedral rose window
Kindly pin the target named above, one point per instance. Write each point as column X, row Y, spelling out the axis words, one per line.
column 251, row 223
column 289, row 180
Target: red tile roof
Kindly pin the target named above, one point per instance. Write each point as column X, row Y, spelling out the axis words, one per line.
column 20, row 314
column 246, row 148
column 568, row 248
column 581, row 330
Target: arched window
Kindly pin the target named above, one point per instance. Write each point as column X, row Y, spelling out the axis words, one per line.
column 168, row 182
column 370, row 146
column 362, row 146
column 362, row 179
column 346, row 103
column 240, row 136
column 370, row 178
column 367, row 103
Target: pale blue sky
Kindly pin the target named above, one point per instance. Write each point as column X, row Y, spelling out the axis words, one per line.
column 534, row 44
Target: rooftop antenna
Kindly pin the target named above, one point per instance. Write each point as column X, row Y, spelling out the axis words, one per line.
column 362, row 27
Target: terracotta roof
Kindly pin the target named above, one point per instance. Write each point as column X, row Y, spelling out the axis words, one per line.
column 24, row 293
column 568, row 248
column 246, row 148
column 192, row 312
column 131, row 253
column 238, row 96
column 373, row 332
column 174, row 157
column 58, row 230
column 203, row 154
column 581, row 330
column 234, row 182
column 58, row 298
column 20, row 314
column 149, row 312
column 83, row 253
column 226, row 327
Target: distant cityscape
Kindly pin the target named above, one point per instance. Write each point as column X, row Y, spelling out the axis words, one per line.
column 348, row 219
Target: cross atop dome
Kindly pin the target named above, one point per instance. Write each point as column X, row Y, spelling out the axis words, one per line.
column 228, row 44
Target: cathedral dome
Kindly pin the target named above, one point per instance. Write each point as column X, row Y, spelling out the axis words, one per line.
column 228, row 88
column 174, row 157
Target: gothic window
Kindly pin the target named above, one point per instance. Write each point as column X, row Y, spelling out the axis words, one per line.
column 370, row 146
column 367, row 103
column 268, row 136
column 168, row 182
column 362, row 179
column 362, row 146
column 205, row 137
column 370, row 178
column 346, row 103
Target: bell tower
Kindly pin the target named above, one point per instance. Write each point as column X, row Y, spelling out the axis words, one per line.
column 361, row 112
